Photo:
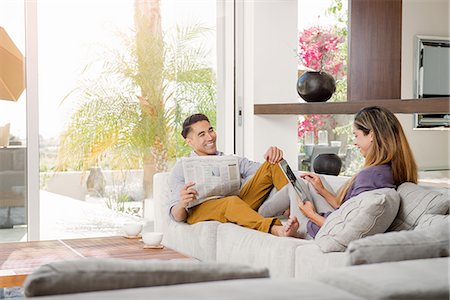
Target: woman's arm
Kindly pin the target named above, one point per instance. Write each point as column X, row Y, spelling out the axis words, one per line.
column 308, row 210
column 318, row 185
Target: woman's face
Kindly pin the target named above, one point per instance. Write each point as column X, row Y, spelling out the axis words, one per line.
column 362, row 141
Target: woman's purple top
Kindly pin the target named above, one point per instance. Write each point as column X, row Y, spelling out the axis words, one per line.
column 368, row 179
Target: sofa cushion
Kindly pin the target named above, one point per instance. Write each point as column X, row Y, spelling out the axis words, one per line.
column 416, row 201
column 240, row 289
column 428, row 220
column 411, row 279
column 311, row 261
column 400, row 245
column 198, row 240
column 96, row 274
column 363, row 215
column 246, row 246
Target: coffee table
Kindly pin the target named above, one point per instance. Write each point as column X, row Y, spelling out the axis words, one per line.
column 19, row 259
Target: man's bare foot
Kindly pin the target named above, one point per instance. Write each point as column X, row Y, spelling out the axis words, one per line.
column 289, row 229
column 287, row 212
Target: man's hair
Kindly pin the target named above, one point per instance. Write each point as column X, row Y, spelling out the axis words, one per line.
column 190, row 121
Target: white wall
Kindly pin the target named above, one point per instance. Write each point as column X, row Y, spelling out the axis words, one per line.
column 270, row 75
column 424, row 17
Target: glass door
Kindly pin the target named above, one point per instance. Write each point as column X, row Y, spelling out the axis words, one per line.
column 116, row 80
column 13, row 140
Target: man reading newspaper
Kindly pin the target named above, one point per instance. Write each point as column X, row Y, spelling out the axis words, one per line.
column 240, row 209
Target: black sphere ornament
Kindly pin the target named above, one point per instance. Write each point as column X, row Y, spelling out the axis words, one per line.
column 316, row 86
column 328, row 164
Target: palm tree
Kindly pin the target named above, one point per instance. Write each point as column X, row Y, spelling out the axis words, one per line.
column 130, row 116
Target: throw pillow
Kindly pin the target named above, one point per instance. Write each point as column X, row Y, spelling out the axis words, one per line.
column 416, row 201
column 402, row 245
column 96, row 274
column 363, row 215
column 428, row 220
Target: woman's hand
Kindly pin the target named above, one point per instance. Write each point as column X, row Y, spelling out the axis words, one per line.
column 307, row 208
column 315, row 180
column 309, row 211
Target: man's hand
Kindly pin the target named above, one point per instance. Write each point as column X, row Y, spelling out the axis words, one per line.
column 187, row 194
column 273, row 155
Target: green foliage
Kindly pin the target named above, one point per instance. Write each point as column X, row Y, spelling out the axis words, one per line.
column 136, row 106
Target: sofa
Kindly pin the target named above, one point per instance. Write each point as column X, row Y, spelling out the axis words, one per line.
column 420, row 208
column 409, row 261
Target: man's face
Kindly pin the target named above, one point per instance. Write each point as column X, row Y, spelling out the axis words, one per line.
column 202, row 138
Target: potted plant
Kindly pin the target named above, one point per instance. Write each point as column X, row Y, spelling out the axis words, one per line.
column 319, row 54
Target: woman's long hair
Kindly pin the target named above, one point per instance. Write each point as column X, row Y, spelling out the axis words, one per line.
column 389, row 145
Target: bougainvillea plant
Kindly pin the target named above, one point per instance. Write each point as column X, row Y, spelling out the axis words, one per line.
column 314, row 123
column 320, row 50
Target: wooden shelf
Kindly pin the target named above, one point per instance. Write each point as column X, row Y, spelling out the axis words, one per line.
column 427, row 105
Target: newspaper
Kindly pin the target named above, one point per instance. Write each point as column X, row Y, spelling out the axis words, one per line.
column 214, row 176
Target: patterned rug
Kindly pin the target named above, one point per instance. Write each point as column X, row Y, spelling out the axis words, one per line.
column 15, row 293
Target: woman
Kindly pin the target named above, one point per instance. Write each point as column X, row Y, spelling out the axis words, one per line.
column 389, row 162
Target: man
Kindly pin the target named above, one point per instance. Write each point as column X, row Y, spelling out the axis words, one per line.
column 242, row 210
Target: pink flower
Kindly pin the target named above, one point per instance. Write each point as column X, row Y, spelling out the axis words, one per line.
column 319, row 49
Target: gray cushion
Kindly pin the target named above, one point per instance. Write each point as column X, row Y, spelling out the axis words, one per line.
column 416, row 201
column 241, row 289
column 411, row 279
column 428, row 220
column 366, row 214
column 403, row 245
column 106, row 274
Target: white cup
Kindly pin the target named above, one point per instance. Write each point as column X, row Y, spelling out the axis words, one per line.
column 152, row 238
column 323, row 137
column 132, row 229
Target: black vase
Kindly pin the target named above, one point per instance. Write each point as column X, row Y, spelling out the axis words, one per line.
column 316, row 86
column 328, row 164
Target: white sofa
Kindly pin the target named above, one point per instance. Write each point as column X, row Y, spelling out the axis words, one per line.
column 230, row 243
column 406, row 265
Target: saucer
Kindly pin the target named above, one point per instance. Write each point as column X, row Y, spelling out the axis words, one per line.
column 153, row 247
column 131, row 236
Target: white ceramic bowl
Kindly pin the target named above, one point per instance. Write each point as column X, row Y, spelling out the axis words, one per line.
column 152, row 238
column 132, row 229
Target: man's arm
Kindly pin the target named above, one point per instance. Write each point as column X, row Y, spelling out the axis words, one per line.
column 181, row 194
column 187, row 195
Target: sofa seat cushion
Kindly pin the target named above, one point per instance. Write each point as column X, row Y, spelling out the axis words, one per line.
column 400, row 245
column 197, row 240
column 246, row 246
column 416, row 201
column 363, row 215
column 311, row 261
column 96, row 274
column 245, row 289
column 412, row 279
